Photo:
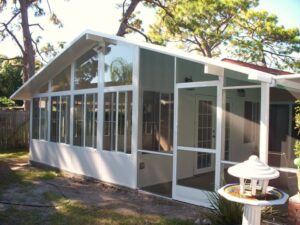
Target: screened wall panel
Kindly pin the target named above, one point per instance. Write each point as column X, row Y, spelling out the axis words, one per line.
column 157, row 85
column 188, row 71
column 35, row 118
column 43, row 106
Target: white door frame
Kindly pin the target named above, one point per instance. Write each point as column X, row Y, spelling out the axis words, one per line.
column 192, row 195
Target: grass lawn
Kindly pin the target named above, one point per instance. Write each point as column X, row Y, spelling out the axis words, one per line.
column 64, row 211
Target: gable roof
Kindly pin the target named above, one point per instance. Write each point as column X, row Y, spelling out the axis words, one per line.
column 89, row 39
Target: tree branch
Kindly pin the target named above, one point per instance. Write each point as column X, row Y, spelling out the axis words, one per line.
column 14, row 37
column 38, row 51
column 38, row 25
column 140, row 32
column 10, row 59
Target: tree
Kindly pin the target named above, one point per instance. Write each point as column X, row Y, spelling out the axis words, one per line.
column 130, row 22
column 262, row 40
column 208, row 26
column 20, row 21
column 199, row 25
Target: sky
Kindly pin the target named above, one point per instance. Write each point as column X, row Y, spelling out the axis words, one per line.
column 103, row 16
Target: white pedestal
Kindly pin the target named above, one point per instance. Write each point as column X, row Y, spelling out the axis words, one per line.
column 251, row 215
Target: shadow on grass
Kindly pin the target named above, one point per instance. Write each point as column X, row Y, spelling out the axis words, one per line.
column 75, row 213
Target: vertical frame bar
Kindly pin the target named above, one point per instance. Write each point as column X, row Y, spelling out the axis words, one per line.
column 84, row 119
column 72, row 103
column 49, row 118
column 219, row 133
column 59, row 119
column 135, row 110
column 125, row 121
column 175, row 122
column 101, row 106
column 264, row 122
column 117, row 122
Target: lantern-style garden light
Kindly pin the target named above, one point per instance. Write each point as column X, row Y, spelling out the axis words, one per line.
column 253, row 190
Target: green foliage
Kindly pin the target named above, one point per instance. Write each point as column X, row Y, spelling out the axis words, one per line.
column 199, row 25
column 10, row 76
column 208, row 26
column 6, row 102
column 260, row 39
column 223, row 211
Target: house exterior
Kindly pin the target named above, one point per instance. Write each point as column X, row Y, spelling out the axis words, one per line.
column 154, row 119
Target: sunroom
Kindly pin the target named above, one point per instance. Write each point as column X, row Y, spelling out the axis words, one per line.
column 158, row 120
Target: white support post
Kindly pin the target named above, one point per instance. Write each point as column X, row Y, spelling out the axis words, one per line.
column 219, row 134
column 264, row 122
column 72, row 103
column 100, row 116
column 135, row 111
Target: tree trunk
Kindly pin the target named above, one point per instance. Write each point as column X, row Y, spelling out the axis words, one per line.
column 28, row 57
column 130, row 9
column 29, row 54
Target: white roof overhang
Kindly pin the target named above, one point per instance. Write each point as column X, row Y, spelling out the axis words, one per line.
column 89, row 39
column 288, row 82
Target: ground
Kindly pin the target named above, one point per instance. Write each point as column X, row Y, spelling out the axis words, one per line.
column 30, row 195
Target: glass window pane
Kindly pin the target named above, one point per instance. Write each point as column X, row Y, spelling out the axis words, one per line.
column 44, row 118
column 86, row 72
column 157, row 83
column 78, row 120
column 35, row 118
column 91, row 120
column 62, row 81
column 65, row 120
column 118, row 65
column 188, row 71
column 55, row 108
column 109, row 125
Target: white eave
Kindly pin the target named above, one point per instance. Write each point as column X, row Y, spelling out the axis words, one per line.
column 89, row 38
column 290, row 82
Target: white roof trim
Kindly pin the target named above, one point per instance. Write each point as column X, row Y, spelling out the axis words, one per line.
column 96, row 37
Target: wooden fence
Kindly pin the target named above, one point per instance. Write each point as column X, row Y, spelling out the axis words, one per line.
column 14, row 129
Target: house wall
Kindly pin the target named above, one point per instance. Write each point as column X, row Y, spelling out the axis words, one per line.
column 112, row 167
